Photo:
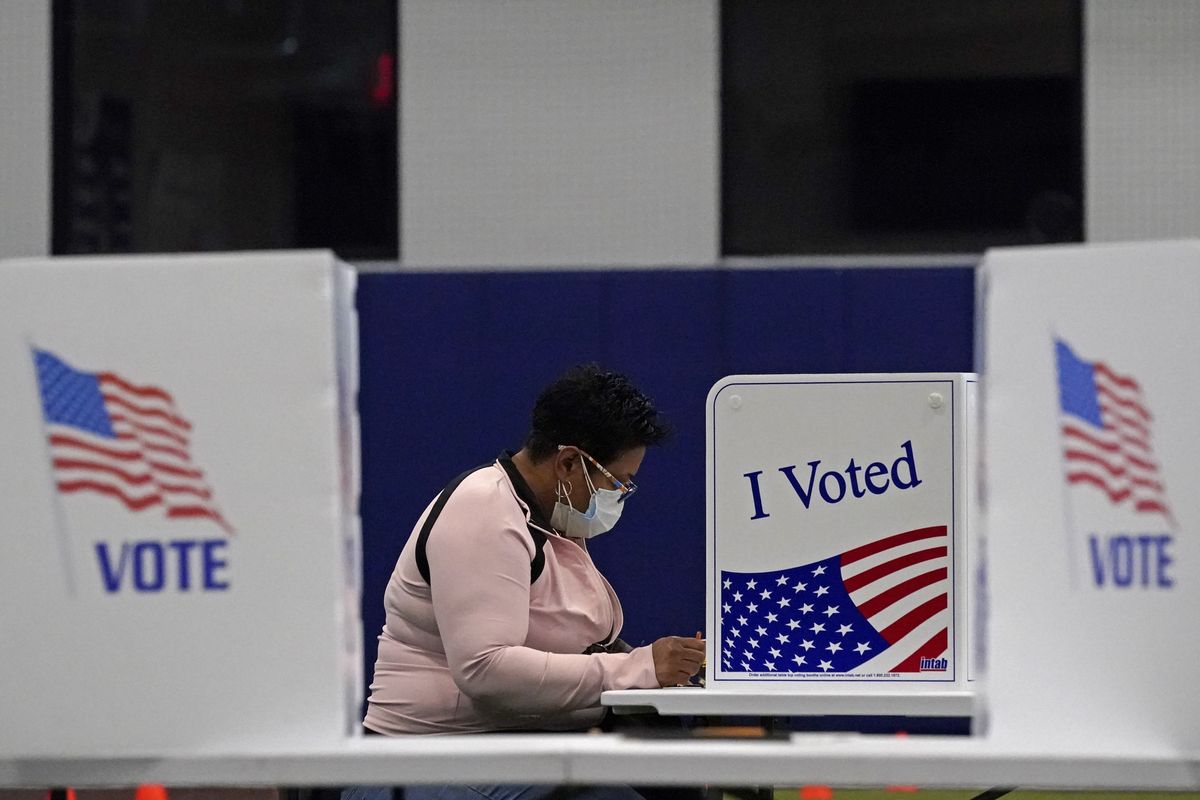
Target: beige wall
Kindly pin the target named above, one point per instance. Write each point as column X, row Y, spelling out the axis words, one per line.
column 24, row 128
column 544, row 133
column 1142, row 104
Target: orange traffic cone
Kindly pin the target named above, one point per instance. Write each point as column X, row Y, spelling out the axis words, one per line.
column 150, row 791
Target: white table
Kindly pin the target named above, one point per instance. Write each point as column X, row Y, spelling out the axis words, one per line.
column 837, row 760
column 688, row 700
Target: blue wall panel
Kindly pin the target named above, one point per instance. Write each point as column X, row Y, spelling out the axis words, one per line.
column 784, row 321
column 664, row 330
column 451, row 364
column 909, row 320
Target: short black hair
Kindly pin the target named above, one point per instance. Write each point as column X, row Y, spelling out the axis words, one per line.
column 596, row 410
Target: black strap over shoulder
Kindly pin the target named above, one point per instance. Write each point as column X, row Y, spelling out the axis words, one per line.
column 539, row 537
column 434, row 513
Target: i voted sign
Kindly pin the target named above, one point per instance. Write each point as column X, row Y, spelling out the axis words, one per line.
column 832, row 486
column 835, row 515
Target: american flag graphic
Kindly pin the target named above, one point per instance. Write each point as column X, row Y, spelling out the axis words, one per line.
column 878, row 608
column 1106, row 439
column 120, row 439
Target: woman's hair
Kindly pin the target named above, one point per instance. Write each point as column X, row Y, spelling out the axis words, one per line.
column 596, row 410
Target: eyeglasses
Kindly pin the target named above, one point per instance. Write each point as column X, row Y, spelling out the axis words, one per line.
column 626, row 489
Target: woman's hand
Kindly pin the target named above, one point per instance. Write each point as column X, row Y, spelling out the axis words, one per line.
column 676, row 659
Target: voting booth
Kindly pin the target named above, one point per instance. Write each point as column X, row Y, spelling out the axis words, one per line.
column 1090, row 384
column 178, row 504
column 838, row 544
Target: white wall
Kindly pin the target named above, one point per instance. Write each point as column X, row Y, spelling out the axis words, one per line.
column 1142, row 106
column 24, row 128
column 546, row 133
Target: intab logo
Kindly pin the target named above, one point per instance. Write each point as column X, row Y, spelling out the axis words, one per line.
column 129, row 442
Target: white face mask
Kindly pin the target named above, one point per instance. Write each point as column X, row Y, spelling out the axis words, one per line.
column 603, row 511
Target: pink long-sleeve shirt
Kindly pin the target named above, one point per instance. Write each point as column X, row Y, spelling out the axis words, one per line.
column 478, row 648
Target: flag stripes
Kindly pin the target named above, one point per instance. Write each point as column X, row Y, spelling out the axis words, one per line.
column 900, row 591
column 1106, row 436
column 880, row 607
column 110, row 436
column 870, row 549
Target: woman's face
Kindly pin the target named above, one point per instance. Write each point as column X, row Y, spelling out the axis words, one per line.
column 624, row 468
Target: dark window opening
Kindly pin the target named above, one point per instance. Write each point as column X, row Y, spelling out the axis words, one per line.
column 225, row 125
column 900, row 126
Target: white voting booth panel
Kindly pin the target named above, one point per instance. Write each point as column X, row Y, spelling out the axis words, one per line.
column 1091, row 437
column 837, row 534
column 178, row 504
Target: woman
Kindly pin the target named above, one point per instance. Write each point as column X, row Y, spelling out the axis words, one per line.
column 495, row 600
column 497, row 619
